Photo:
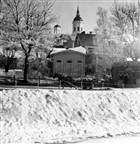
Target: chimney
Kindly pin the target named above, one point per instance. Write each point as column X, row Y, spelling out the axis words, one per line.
column 90, row 32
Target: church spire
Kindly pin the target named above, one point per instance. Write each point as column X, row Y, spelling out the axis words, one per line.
column 78, row 12
column 77, row 23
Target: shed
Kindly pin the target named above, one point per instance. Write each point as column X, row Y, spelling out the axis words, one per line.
column 132, row 68
column 69, row 62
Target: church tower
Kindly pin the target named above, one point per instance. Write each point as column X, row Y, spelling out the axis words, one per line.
column 77, row 23
column 57, row 29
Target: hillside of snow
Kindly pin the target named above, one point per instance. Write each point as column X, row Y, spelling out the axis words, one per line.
column 66, row 115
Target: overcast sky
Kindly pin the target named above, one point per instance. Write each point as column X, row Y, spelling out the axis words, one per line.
column 66, row 9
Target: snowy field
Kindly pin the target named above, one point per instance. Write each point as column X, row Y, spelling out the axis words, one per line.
column 118, row 140
column 50, row 116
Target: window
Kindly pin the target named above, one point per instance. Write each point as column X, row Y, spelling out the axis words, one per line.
column 59, row 61
column 69, row 61
column 78, row 29
column 79, row 61
column 81, row 29
column 74, row 29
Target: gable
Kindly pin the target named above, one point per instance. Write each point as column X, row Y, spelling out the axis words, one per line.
column 86, row 39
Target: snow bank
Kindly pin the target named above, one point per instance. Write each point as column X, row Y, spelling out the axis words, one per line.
column 58, row 115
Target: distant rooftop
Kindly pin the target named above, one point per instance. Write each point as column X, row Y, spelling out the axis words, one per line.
column 87, row 39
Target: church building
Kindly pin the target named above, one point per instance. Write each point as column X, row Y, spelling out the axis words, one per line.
column 69, row 52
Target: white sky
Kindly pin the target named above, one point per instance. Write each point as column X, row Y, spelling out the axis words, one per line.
column 66, row 9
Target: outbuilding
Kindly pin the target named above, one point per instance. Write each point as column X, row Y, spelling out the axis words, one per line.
column 131, row 69
column 69, row 62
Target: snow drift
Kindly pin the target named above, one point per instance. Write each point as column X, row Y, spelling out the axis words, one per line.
column 58, row 115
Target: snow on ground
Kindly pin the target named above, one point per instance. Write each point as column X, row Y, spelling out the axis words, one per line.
column 118, row 140
column 11, row 73
column 67, row 115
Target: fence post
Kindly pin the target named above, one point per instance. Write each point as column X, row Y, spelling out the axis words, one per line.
column 60, row 84
column 81, row 84
column 15, row 82
column 102, row 85
column 38, row 82
column 122, row 85
column 14, row 78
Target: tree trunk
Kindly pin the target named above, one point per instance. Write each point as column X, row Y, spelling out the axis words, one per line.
column 7, row 64
column 7, row 68
column 26, row 68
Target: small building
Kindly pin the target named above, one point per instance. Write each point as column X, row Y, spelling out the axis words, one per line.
column 69, row 62
column 129, row 68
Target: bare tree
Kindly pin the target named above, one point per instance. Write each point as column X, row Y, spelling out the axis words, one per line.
column 9, row 53
column 29, row 21
column 126, row 19
column 109, row 50
column 9, row 47
column 0, row 6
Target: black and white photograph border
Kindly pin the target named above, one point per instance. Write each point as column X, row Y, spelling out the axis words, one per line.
column 69, row 71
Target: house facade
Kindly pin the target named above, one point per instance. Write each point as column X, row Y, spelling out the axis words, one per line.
column 69, row 62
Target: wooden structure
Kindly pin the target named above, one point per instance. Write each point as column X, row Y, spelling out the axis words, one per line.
column 131, row 69
column 69, row 62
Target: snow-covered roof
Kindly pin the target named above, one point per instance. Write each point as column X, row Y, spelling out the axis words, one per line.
column 79, row 49
column 130, row 59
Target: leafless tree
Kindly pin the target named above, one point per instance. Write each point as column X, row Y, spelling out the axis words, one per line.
column 28, row 21
column 9, row 53
column 109, row 50
column 126, row 19
column 0, row 5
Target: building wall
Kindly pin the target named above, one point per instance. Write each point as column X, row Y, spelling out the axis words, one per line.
column 69, row 63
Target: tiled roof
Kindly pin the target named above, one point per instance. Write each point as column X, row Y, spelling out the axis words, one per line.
column 87, row 39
